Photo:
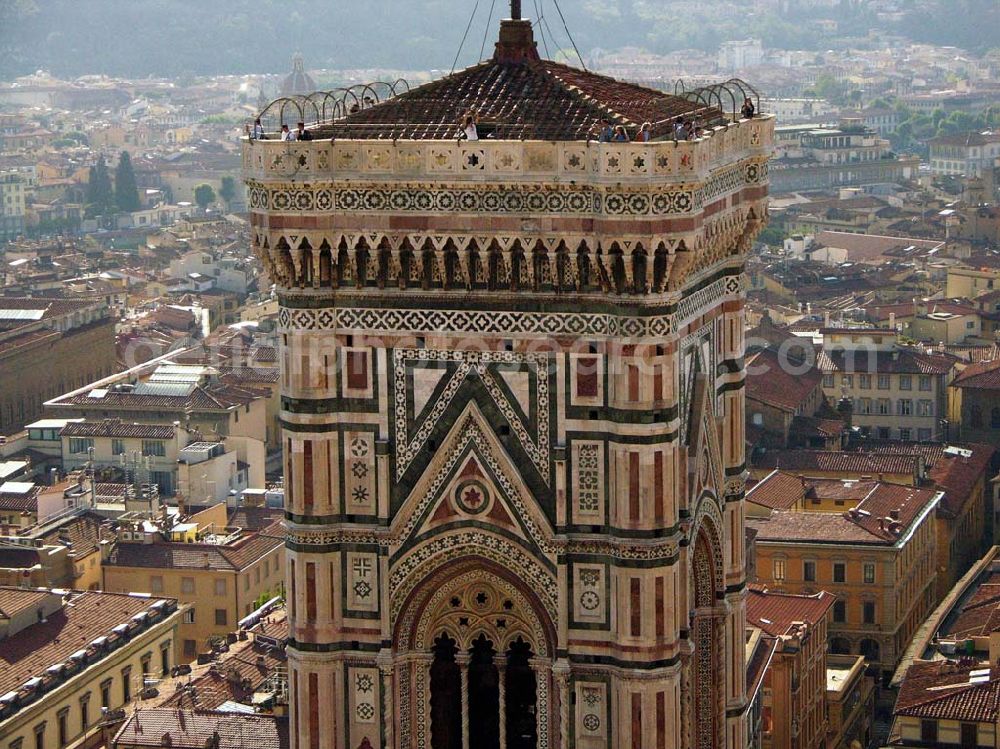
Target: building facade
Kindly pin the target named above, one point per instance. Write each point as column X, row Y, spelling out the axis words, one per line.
column 513, row 413
column 876, row 553
column 795, row 698
column 63, row 343
column 71, row 657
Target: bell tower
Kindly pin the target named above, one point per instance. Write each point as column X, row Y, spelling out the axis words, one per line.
column 512, row 409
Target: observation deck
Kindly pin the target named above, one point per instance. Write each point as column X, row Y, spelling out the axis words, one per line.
column 387, row 194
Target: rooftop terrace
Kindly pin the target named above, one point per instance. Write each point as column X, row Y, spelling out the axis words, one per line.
column 516, row 95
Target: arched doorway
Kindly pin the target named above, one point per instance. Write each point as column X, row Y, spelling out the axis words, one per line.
column 869, row 649
column 480, row 647
column 840, row 646
column 707, row 635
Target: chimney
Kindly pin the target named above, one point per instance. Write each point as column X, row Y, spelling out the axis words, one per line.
column 994, row 648
column 892, row 320
column 894, row 514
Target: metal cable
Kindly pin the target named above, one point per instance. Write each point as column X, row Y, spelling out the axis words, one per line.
column 464, row 37
column 566, row 27
column 489, row 22
column 549, row 29
column 541, row 31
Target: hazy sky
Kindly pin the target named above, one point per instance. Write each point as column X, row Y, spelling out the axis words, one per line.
column 176, row 37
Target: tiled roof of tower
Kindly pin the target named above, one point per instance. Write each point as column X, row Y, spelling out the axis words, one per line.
column 517, row 95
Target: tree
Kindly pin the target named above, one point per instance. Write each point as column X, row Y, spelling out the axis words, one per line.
column 204, row 196
column 100, row 194
column 126, row 191
column 227, row 190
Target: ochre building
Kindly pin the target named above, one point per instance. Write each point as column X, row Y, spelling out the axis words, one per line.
column 512, row 410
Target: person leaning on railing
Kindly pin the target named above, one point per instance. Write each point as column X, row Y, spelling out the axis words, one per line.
column 748, row 110
column 257, row 131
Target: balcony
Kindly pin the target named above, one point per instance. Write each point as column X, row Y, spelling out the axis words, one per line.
column 499, row 160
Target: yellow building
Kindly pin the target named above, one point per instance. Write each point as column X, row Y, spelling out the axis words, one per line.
column 850, row 702
column 960, row 471
column 877, row 556
column 968, row 283
column 222, row 575
column 897, row 392
column 795, row 681
column 67, row 656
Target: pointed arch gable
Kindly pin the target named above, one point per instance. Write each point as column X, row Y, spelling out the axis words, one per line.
column 706, row 475
column 471, row 432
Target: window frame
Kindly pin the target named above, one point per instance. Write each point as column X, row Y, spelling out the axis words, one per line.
column 842, row 566
column 866, row 568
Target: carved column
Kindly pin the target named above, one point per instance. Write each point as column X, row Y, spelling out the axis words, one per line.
column 462, row 659
column 502, row 684
column 388, row 713
column 561, row 672
column 542, row 668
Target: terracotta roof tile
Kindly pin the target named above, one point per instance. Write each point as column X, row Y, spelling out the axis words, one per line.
column 775, row 612
column 902, row 361
column 853, row 463
column 517, row 96
column 942, row 690
column 86, row 616
column 195, row 729
column 980, row 376
column 882, row 516
column 771, row 381
column 174, row 555
column 779, row 491
column 119, row 429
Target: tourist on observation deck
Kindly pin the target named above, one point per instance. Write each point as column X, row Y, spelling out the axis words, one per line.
column 257, row 131
column 469, row 130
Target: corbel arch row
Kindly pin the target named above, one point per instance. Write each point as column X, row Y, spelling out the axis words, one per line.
column 559, row 263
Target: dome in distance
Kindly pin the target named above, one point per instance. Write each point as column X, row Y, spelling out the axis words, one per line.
column 298, row 81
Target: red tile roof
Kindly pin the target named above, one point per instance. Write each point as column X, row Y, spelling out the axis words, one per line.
column 979, row 614
column 901, row 361
column 779, row 491
column 119, row 429
column 943, row 690
column 980, row 376
column 16, row 501
column 956, row 475
column 775, row 612
column 883, row 516
column 848, row 463
column 235, row 679
column 86, row 616
column 175, row 555
column 15, row 600
column 517, row 96
column 195, row 729
column 771, row 380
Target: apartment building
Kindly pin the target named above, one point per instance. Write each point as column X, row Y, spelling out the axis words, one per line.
column 795, row 682
column 898, row 392
column 222, row 572
column 70, row 657
column 876, row 555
